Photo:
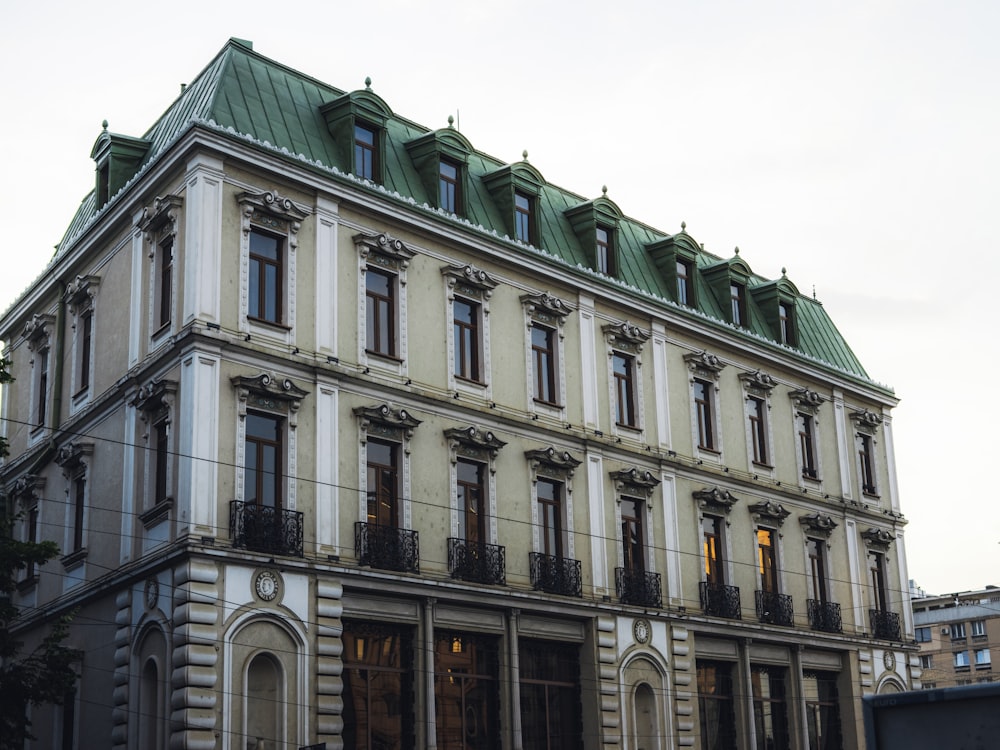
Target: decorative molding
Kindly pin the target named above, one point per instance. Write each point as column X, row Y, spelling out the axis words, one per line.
column 818, row 524
column 545, row 308
column 758, row 382
column 266, row 207
column 806, row 400
column 469, row 281
column 74, row 454
column 634, row 482
column 389, row 422
column 877, row 539
column 625, row 337
column 473, row 442
column 160, row 215
column 26, row 488
column 80, row 293
column 154, row 395
column 383, row 250
column 552, row 461
column 269, row 389
column 37, row 331
column 866, row 421
column 715, row 499
column 768, row 510
column 704, row 364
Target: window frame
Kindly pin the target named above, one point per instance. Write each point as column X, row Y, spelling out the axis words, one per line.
column 555, row 467
column 466, row 331
column 524, row 217
column 684, row 275
column 625, row 343
column 623, row 369
column 362, row 170
column 159, row 225
column 450, row 198
column 865, row 442
column 706, row 430
column 155, row 404
column 757, row 387
column 738, row 315
column 471, row 286
column 806, row 429
column 82, row 298
column 978, row 629
column 635, row 486
column 260, row 443
column 472, row 445
column 76, row 460
column 387, row 425
column 384, row 254
column 605, row 250
column 787, row 328
column 544, row 311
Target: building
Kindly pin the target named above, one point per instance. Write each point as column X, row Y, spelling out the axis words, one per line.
column 957, row 634
column 352, row 434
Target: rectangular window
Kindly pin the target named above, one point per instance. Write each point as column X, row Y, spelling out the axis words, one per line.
column 958, row 631
column 807, row 444
column 79, row 506
column 684, row 280
column 876, row 569
column 867, row 463
column 961, row 659
column 383, row 483
column 466, row 340
column 767, row 561
column 378, row 686
column 633, row 534
column 471, row 502
column 365, row 162
column 716, row 712
column 466, row 691
column 41, row 397
column 978, row 628
column 550, row 696
column 822, row 710
column 550, row 516
column 543, row 351
column 712, row 543
column 817, row 568
column 786, row 326
column 86, row 348
column 758, row 429
column 263, row 449
column 982, row 657
column 266, row 277
column 161, row 456
column 770, row 707
column 449, row 193
column 380, row 312
column 705, row 414
column 922, row 635
column 605, row 251
column 737, row 297
column 164, row 289
column 623, row 367
column 31, row 536
column 926, row 661
column 523, row 217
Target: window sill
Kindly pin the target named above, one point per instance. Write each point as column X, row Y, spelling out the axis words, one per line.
column 547, row 404
column 983, row 667
column 760, row 465
column 269, row 324
column 160, row 332
column 469, row 382
column 711, row 451
column 27, row 584
column 381, row 355
column 157, row 513
column 74, row 559
column 630, row 427
column 871, row 493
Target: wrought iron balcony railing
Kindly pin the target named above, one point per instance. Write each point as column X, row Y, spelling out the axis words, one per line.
column 824, row 616
column 260, row 528
column 478, row 562
column 775, row 608
column 387, row 547
column 556, row 575
column 638, row 587
column 720, row 600
column 885, row 625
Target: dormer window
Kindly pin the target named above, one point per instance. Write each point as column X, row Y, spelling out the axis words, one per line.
column 365, row 160
column 738, row 304
column 685, row 295
column 523, row 206
column 357, row 123
column 776, row 300
column 605, row 251
column 786, row 323
column 440, row 158
column 449, row 193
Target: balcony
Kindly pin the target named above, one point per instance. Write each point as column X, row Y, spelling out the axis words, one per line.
column 885, row 625
column 824, row 616
column 720, row 600
column 387, row 547
column 774, row 608
column 556, row 575
column 260, row 528
column 638, row 587
column 477, row 562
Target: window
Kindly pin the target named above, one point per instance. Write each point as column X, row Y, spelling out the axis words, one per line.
column 466, row 331
column 471, row 502
column 86, row 349
column 822, row 710
column 523, row 217
column 623, row 367
column 961, row 659
column 365, row 146
column 449, row 192
column 379, row 665
column 979, row 628
column 738, row 305
column 876, row 570
column 263, row 449
column 380, row 312
column 770, row 707
column 767, row 560
column 633, row 534
column 786, row 323
column 704, row 414
column 79, row 494
column 685, row 294
column 164, row 282
column 550, row 695
column 543, row 351
column 467, row 691
column 982, row 656
column 383, row 483
column 74, row 459
column 550, row 498
column 807, row 444
column 265, row 277
column 81, row 295
column 922, row 635
column 716, row 712
column 958, row 631
column 31, row 536
column 816, row 549
column 41, row 386
column 161, row 457
column 758, row 429
column 926, row 661
column 867, row 464
column 605, row 251
column 712, row 549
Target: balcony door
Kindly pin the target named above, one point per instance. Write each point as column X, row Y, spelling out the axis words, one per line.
column 263, row 460
column 632, row 534
column 471, row 502
column 383, row 484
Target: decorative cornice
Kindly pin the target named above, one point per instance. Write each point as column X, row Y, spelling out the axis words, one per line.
column 758, row 381
column 26, row 487
column 715, row 499
column 806, row 399
column 626, row 336
column 705, row 364
column 37, row 329
column 545, row 304
column 865, row 420
column 818, row 524
column 384, row 245
column 154, row 394
column 877, row 539
column 74, row 453
column 634, row 481
column 387, row 417
column 768, row 510
column 473, row 437
column 270, row 387
column 81, row 291
column 553, row 460
column 162, row 212
column 469, row 277
column 272, row 202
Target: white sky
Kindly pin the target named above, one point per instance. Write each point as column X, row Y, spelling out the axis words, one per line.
column 857, row 143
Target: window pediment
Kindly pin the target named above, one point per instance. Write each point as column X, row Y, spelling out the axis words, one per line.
column 268, row 391
column 819, row 524
column 472, row 442
column 26, row 488
column 757, row 382
column 80, row 292
column 37, row 330
column 625, row 337
column 545, row 308
column 155, row 395
column 74, row 454
column 161, row 214
column 552, row 461
column 274, row 211
column 806, row 400
column 715, row 499
column 877, row 539
column 386, row 421
column 634, row 482
column 866, row 421
column 384, row 249
column 768, row 510
column 704, row 365
column 469, row 281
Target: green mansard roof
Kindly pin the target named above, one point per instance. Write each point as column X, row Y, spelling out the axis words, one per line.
column 250, row 97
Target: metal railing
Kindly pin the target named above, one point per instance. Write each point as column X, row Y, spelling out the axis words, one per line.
column 387, row 547
column 774, row 608
column 477, row 561
column 884, row 624
column 721, row 600
column 556, row 575
column 261, row 528
column 638, row 587
column 824, row 616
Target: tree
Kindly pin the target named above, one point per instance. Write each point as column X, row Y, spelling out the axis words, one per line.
column 46, row 674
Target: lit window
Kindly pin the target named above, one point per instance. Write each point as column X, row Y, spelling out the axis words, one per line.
column 380, row 311
column 550, row 494
column 265, row 280
column 544, row 363
column 623, row 367
column 807, row 445
column 705, row 414
column 449, row 194
column 758, row 429
column 523, row 217
column 365, row 162
column 633, row 534
column 684, row 281
column 767, row 560
column 738, row 310
column 467, row 318
column 379, row 669
column 712, row 549
column 466, row 691
column 263, row 449
column 605, row 251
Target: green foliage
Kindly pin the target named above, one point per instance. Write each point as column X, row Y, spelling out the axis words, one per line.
column 46, row 674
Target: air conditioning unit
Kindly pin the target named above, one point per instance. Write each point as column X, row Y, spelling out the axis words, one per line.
column 945, row 631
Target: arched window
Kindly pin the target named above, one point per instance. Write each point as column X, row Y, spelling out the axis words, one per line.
column 645, row 718
column 150, row 706
column 264, row 702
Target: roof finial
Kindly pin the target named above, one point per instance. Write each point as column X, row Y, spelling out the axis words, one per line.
column 451, row 121
column 684, row 226
column 604, row 190
column 784, row 272
column 524, row 154
column 814, row 291
column 368, row 83
column 737, row 249
column 104, row 124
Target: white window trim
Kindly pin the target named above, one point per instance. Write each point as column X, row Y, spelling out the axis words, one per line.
column 391, row 256
column 37, row 335
column 473, row 285
column 717, row 503
column 82, row 298
column 551, row 312
column 275, row 214
column 807, row 403
column 159, row 225
column 627, row 340
column 549, row 463
column 477, row 446
column 388, row 425
column 866, row 426
column 76, row 460
column 707, row 368
column 771, row 516
column 758, row 385
column 154, row 403
column 639, row 485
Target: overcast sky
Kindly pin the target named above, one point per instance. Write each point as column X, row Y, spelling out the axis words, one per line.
column 856, row 144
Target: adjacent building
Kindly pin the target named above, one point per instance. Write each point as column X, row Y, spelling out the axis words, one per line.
column 352, row 434
column 957, row 635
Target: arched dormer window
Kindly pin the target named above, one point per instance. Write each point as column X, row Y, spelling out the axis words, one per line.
column 776, row 299
column 441, row 158
column 517, row 189
column 729, row 280
column 357, row 121
column 118, row 158
column 677, row 259
column 595, row 224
